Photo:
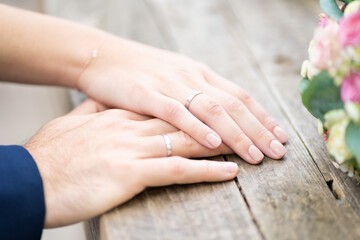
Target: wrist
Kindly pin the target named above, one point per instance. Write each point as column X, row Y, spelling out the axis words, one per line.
column 80, row 56
column 112, row 53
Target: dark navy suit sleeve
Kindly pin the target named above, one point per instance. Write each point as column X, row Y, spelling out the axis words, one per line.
column 22, row 204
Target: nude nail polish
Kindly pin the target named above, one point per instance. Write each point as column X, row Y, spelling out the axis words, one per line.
column 278, row 148
column 230, row 167
column 255, row 154
column 213, row 140
column 280, row 134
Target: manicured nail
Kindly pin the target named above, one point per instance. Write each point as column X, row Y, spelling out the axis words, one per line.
column 278, row 148
column 230, row 167
column 281, row 134
column 213, row 140
column 256, row 154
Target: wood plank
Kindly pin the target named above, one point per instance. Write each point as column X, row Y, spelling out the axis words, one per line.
column 289, row 199
column 289, row 26
column 202, row 211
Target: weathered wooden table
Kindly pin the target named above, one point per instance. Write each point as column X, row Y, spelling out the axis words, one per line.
column 259, row 44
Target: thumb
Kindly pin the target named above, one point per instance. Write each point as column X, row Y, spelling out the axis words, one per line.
column 87, row 107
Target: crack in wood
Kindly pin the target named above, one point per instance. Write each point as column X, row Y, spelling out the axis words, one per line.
column 250, row 210
column 330, row 184
column 253, row 218
column 266, row 81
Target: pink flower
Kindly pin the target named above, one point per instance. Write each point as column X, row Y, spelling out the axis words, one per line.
column 325, row 48
column 350, row 30
column 350, row 88
column 323, row 20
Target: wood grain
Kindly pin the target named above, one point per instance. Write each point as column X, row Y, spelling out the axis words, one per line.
column 203, row 211
column 289, row 199
column 279, row 65
column 259, row 45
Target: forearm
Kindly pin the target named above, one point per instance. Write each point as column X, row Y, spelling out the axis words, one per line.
column 40, row 49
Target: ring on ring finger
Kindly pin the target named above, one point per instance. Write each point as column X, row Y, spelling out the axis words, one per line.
column 191, row 97
column 168, row 145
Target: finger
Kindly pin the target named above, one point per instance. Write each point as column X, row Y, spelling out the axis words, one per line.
column 87, row 107
column 135, row 116
column 214, row 115
column 177, row 170
column 175, row 113
column 251, row 126
column 182, row 145
column 155, row 127
column 255, row 108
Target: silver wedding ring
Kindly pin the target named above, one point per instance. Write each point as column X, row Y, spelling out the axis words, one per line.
column 167, row 144
column 191, row 97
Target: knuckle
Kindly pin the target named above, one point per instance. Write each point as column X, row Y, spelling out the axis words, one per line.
column 269, row 122
column 185, row 139
column 263, row 134
column 113, row 114
column 140, row 89
column 244, row 97
column 172, row 111
column 234, row 105
column 177, row 166
column 240, row 139
column 185, row 71
column 204, row 68
column 126, row 125
column 115, row 120
column 213, row 107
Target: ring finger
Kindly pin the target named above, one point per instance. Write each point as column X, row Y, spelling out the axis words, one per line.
column 181, row 144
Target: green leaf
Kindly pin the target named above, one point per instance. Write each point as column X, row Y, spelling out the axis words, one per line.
column 331, row 8
column 353, row 162
column 321, row 95
column 303, row 85
column 352, row 137
column 346, row 1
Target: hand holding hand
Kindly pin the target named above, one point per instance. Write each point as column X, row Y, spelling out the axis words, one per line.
column 155, row 82
column 92, row 161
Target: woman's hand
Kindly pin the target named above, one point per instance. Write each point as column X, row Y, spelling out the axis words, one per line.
column 139, row 78
column 91, row 162
column 154, row 82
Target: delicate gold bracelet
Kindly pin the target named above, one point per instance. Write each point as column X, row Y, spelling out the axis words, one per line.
column 94, row 54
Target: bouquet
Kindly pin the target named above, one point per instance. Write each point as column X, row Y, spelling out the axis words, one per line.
column 330, row 88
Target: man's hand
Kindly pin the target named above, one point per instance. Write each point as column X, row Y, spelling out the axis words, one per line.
column 92, row 161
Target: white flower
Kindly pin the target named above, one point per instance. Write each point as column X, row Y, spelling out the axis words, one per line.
column 312, row 71
column 336, row 122
column 353, row 110
column 320, row 127
column 351, row 8
column 308, row 70
column 304, row 68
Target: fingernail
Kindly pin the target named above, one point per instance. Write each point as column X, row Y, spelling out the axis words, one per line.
column 278, row 148
column 230, row 167
column 213, row 140
column 280, row 134
column 256, row 154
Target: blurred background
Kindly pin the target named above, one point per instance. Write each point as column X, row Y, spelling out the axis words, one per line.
column 38, row 104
